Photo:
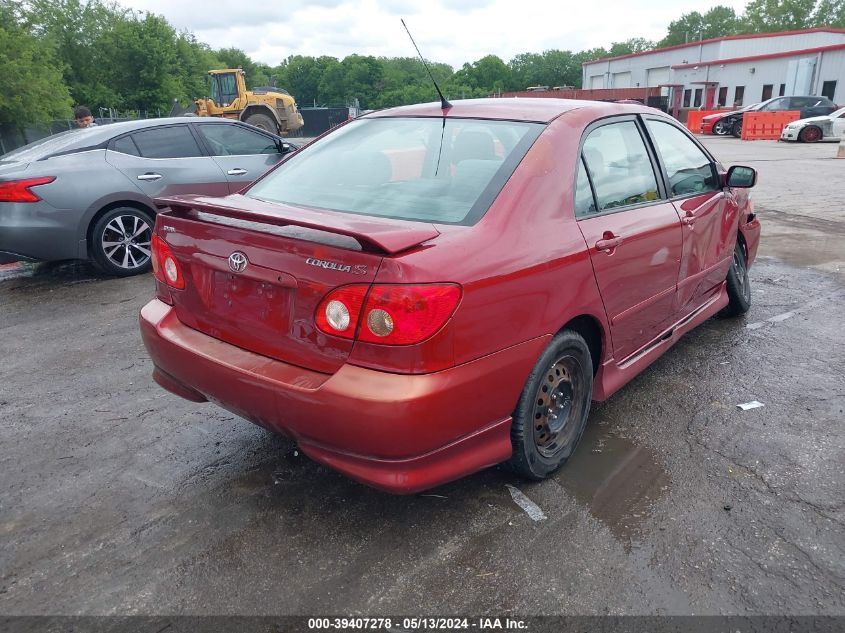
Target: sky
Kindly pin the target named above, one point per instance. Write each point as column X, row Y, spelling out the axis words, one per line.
column 450, row 31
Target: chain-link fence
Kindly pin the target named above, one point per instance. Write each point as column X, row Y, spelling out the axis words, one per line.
column 13, row 136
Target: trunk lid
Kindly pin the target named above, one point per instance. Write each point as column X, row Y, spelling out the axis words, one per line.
column 294, row 258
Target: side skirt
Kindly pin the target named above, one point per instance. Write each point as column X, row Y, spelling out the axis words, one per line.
column 612, row 376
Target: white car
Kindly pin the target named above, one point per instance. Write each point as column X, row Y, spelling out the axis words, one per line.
column 818, row 128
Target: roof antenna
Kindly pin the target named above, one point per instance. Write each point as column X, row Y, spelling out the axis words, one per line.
column 445, row 105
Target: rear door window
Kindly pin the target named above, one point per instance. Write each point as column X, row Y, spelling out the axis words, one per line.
column 174, row 141
column 125, row 145
column 584, row 201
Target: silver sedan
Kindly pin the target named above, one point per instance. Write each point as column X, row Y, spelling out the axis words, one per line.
column 830, row 127
column 88, row 194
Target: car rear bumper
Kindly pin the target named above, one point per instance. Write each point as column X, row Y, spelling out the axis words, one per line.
column 37, row 232
column 399, row 433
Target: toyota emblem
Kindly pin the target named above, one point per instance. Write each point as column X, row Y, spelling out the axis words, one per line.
column 237, row 262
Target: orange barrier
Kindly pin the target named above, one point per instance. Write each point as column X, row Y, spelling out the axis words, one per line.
column 766, row 126
column 694, row 118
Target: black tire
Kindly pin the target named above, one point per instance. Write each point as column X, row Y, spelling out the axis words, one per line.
column 736, row 128
column 810, row 134
column 263, row 121
column 721, row 128
column 739, row 285
column 120, row 241
column 542, row 438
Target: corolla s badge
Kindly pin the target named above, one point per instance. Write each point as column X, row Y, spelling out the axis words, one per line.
column 357, row 269
column 237, row 262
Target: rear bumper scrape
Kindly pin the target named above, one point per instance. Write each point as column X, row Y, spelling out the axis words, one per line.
column 401, row 433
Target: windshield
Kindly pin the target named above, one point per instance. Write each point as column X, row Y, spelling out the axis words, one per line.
column 56, row 143
column 438, row 170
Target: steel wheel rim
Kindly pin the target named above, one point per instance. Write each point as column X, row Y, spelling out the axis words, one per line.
column 126, row 241
column 741, row 272
column 719, row 128
column 558, row 406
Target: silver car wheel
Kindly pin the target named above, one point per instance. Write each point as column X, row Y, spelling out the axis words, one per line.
column 126, row 241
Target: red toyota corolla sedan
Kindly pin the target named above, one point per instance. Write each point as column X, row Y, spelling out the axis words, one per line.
column 426, row 292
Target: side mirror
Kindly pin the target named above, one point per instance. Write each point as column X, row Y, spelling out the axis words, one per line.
column 285, row 148
column 741, row 177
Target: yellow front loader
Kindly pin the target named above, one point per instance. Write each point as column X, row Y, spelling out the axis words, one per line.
column 270, row 109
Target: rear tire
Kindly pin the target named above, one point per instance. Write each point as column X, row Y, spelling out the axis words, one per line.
column 120, row 242
column 810, row 134
column 739, row 285
column 263, row 121
column 552, row 411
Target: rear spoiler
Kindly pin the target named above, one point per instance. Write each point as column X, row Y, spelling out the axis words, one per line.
column 387, row 235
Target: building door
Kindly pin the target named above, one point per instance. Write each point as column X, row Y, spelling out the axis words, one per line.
column 709, row 97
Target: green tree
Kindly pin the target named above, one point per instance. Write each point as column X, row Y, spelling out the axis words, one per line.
column 550, row 68
column 31, row 82
column 356, row 77
column 255, row 74
column 633, row 45
column 301, row 76
column 142, row 65
column 489, row 73
column 690, row 27
column 194, row 60
column 767, row 16
column 75, row 30
column 830, row 13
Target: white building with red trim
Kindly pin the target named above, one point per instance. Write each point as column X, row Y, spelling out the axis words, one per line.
column 732, row 70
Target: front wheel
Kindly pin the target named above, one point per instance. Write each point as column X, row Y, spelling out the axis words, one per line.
column 736, row 129
column 810, row 134
column 739, row 285
column 720, row 128
column 552, row 411
column 120, row 241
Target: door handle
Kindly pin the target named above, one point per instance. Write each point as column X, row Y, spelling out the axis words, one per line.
column 688, row 219
column 608, row 243
column 237, row 171
column 149, row 176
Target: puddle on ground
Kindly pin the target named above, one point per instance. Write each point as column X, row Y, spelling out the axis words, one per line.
column 786, row 237
column 617, row 480
column 26, row 275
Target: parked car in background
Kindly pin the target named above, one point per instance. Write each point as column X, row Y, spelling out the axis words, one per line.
column 814, row 129
column 808, row 106
column 720, row 123
column 88, row 194
column 426, row 292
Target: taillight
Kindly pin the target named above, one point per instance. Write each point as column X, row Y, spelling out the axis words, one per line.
column 392, row 314
column 165, row 267
column 19, row 190
column 338, row 312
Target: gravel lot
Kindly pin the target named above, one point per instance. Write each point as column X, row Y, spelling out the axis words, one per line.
column 118, row 498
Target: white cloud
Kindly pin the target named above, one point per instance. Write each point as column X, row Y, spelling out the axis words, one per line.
column 450, row 31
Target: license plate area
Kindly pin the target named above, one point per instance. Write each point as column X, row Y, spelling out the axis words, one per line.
column 250, row 304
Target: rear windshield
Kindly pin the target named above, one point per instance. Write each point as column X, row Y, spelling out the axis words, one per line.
column 440, row 170
column 56, row 143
